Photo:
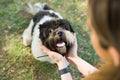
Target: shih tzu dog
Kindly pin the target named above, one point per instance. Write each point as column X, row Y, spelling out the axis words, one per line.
column 48, row 28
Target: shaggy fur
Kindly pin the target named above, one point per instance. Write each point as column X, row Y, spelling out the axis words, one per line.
column 48, row 28
column 58, row 32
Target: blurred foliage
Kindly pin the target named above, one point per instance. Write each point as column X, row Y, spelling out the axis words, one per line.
column 16, row 61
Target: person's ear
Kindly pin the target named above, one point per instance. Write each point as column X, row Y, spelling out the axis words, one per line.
column 115, row 55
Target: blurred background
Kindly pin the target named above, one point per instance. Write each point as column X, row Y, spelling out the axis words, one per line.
column 16, row 60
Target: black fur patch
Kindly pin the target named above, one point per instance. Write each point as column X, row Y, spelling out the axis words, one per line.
column 46, row 7
column 39, row 16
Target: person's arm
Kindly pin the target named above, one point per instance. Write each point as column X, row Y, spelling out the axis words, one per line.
column 60, row 61
column 66, row 76
column 84, row 67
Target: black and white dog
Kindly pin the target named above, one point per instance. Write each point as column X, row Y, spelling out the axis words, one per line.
column 48, row 28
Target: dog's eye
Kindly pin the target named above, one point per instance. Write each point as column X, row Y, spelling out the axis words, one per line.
column 50, row 30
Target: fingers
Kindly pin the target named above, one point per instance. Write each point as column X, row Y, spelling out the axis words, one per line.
column 53, row 55
column 44, row 49
column 47, row 51
column 75, row 41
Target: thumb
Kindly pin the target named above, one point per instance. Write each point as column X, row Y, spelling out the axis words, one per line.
column 44, row 49
column 75, row 41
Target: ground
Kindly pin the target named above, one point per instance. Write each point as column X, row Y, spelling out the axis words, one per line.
column 16, row 60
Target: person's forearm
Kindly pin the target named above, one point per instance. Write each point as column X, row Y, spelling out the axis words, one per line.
column 84, row 67
column 66, row 76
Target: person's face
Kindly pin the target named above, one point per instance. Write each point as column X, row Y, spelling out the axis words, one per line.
column 102, row 53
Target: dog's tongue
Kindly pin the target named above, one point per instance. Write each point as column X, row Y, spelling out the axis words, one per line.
column 60, row 44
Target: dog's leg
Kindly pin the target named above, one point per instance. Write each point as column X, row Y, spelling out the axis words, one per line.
column 27, row 37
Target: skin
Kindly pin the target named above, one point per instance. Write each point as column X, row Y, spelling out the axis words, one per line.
column 74, row 59
column 78, row 62
column 109, row 55
column 84, row 67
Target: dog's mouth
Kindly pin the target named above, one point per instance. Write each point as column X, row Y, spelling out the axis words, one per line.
column 61, row 47
column 60, row 44
column 63, row 44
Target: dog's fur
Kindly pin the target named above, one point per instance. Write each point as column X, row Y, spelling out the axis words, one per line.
column 48, row 28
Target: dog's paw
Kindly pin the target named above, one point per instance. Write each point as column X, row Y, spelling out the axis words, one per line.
column 26, row 41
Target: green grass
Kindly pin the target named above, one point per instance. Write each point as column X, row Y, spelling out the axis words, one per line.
column 16, row 61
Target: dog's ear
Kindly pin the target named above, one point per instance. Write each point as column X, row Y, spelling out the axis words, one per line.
column 65, row 23
column 71, row 29
column 40, row 26
column 41, row 33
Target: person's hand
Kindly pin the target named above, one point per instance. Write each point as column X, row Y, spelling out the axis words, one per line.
column 72, row 53
column 58, row 58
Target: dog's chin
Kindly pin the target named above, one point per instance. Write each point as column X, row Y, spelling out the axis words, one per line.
column 61, row 47
column 62, row 50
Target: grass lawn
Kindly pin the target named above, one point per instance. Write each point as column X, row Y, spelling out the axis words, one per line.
column 16, row 60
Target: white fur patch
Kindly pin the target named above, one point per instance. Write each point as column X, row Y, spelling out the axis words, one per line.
column 27, row 38
column 69, row 36
column 45, row 18
column 34, row 40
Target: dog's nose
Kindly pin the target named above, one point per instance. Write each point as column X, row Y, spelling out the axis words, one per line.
column 60, row 33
